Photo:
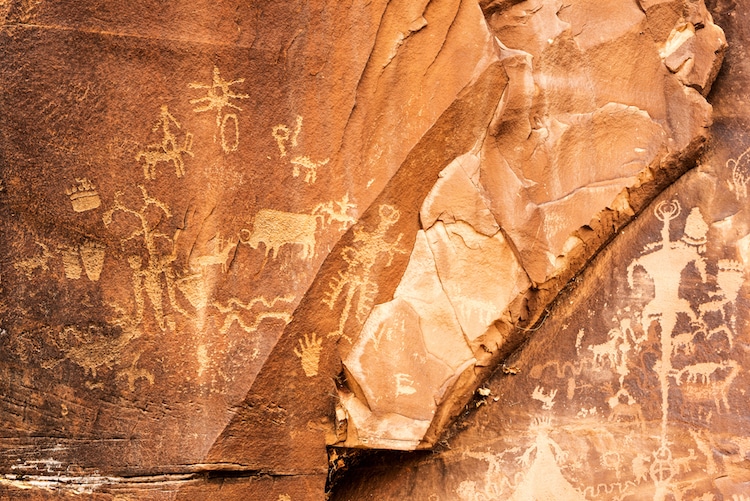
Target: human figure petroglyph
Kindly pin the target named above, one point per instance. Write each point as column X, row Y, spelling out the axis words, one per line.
column 283, row 134
column 546, row 465
column 309, row 354
column 664, row 263
column 218, row 97
column 168, row 150
column 148, row 276
column 360, row 257
column 626, row 409
column 234, row 307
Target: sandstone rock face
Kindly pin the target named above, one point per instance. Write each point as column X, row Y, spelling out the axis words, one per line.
column 236, row 234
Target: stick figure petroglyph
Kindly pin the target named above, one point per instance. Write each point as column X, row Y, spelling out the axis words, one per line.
column 360, row 258
column 218, row 97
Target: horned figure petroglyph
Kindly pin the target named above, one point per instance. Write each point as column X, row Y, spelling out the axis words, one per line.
column 220, row 256
column 217, row 98
column 274, row 229
column 168, row 150
column 740, row 174
column 360, row 258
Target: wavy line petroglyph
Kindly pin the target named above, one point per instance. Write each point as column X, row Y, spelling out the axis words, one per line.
column 217, row 98
column 360, row 258
column 168, row 150
column 234, row 309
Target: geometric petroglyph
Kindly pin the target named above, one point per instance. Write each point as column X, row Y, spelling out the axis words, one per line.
column 286, row 139
column 168, row 150
column 83, row 196
column 236, row 311
column 309, row 355
column 740, row 174
column 217, row 98
column 357, row 279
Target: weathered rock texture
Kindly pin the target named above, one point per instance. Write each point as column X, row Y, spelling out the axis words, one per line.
column 237, row 233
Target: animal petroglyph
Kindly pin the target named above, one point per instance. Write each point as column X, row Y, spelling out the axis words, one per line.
column 708, row 382
column 274, row 229
column 740, row 174
column 234, row 307
column 220, row 256
column 547, row 399
column 357, row 279
column 309, row 355
column 287, row 139
column 40, row 262
column 310, row 166
column 168, row 150
column 147, row 277
column 404, row 384
column 217, row 98
column 83, row 196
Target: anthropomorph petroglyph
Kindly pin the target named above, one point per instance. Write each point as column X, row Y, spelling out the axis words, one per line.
column 83, row 196
column 168, row 150
column 147, row 277
column 287, row 139
column 259, row 309
column 309, row 354
column 217, row 98
column 356, row 279
column 664, row 263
